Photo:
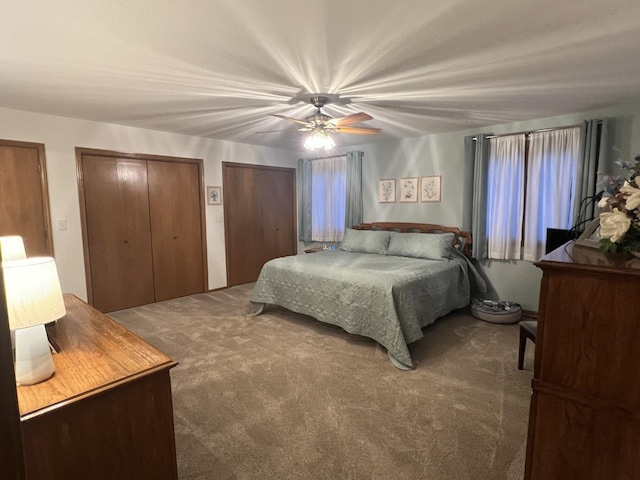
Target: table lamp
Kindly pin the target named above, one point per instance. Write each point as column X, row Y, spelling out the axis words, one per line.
column 12, row 248
column 34, row 298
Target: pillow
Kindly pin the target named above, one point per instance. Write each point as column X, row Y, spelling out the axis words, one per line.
column 365, row 241
column 432, row 246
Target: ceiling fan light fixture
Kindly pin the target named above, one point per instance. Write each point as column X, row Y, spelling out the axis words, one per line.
column 319, row 139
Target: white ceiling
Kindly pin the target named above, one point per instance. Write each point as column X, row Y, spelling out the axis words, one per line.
column 218, row 68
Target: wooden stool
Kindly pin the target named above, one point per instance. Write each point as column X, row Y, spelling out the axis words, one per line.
column 528, row 329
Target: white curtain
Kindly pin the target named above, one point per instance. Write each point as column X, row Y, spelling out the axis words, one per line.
column 328, row 198
column 505, row 196
column 551, row 186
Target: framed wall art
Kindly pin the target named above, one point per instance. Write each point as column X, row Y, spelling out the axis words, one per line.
column 409, row 189
column 430, row 188
column 214, row 195
column 387, row 190
column 591, row 235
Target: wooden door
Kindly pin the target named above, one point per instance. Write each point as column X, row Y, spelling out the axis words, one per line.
column 24, row 199
column 259, row 212
column 243, row 226
column 118, row 233
column 175, row 207
column 278, row 225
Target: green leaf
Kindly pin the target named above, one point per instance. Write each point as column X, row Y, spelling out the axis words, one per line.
column 607, row 246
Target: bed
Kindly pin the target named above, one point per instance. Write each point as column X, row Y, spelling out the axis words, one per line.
column 385, row 281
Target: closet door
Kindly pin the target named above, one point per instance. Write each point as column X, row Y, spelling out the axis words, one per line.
column 243, row 224
column 175, row 213
column 259, row 212
column 118, row 235
column 278, row 224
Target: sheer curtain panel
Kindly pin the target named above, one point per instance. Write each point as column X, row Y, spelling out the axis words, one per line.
column 329, row 195
column 552, row 173
column 505, row 202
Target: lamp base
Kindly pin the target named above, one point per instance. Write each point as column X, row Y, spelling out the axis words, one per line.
column 34, row 363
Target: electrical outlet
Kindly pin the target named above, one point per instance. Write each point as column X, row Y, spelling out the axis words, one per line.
column 62, row 224
column 218, row 217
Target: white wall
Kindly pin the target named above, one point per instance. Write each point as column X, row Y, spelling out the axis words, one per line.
column 61, row 135
column 443, row 154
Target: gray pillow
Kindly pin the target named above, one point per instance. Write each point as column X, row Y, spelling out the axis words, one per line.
column 432, row 246
column 365, row 241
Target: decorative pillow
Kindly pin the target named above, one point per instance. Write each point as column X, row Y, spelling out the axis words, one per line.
column 365, row 241
column 432, row 246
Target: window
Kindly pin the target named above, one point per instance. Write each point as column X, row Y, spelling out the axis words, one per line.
column 531, row 187
column 329, row 196
column 328, row 199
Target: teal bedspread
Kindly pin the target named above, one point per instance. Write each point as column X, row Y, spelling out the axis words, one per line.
column 386, row 298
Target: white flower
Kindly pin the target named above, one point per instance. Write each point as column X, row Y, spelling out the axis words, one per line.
column 632, row 200
column 604, row 201
column 614, row 225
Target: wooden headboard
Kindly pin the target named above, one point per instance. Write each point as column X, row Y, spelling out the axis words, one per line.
column 404, row 227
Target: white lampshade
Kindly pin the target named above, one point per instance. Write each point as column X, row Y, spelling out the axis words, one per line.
column 12, row 248
column 34, row 298
column 33, row 292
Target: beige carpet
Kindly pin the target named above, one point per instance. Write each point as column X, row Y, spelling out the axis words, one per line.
column 282, row 396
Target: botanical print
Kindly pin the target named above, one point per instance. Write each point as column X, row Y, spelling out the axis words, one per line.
column 430, row 189
column 409, row 189
column 214, row 195
column 387, row 190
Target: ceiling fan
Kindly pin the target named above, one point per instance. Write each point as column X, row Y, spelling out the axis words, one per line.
column 320, row 125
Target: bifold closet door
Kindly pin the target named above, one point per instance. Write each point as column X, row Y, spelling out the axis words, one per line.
column 176, row 235
column 118, row 232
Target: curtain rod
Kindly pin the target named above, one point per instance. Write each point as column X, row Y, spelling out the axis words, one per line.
column 326, row 158
column 529, row 132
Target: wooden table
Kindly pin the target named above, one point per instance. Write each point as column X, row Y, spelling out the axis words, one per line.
column 107, row 411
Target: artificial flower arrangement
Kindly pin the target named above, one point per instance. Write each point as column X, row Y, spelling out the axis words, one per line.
column 620, row 220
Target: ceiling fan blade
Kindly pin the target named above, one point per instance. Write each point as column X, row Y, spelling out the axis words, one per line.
column 356, row 130
column 302, row 129
column 301, row 122
column 350, row 119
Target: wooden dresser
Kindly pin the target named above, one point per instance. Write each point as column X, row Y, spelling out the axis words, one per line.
column 585, row 409
column 107, row 411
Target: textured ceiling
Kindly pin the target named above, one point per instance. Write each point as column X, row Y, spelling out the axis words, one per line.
column 218, row 68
